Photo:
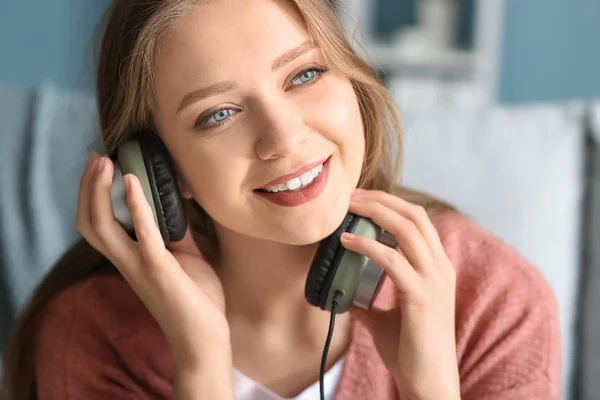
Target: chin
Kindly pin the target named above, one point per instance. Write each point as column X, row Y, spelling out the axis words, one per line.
column 315, row 221
column 312, row 229
column 316, row 230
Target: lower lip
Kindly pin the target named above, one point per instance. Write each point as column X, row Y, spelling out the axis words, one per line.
column 299, row 197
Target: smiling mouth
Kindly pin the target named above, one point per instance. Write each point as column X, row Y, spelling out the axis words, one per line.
column 296, row 184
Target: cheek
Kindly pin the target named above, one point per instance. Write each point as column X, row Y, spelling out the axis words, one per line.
column 213, row 178
column 335, row 113
column 346, row 129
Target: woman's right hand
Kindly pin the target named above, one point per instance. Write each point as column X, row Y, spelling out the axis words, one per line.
column 179, row 288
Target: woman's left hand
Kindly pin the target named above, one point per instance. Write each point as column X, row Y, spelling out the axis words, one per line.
column 416, row 341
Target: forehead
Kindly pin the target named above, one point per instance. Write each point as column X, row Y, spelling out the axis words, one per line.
column 220, row 35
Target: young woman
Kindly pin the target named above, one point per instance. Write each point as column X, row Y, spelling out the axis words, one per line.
column 242, row 93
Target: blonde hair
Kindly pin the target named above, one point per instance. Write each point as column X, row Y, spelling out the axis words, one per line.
column 125, row 96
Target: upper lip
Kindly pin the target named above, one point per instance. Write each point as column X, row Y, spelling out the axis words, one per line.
column 295, row 174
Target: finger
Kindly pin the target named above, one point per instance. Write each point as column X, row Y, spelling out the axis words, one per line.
column 109, row 232
column 407, row 236
column 150, row 241
column 402, row 274
column 82, row 216
column 415, row 213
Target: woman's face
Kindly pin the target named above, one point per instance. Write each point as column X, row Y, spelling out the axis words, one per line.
column 245, row 106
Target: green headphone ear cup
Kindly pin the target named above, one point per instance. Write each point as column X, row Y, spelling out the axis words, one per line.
column 325, row 264
column 146, row 157
column 357, row 277
column 165, row 190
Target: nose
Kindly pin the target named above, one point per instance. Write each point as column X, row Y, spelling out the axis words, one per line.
column 281, row 131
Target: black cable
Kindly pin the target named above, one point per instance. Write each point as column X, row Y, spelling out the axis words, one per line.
column 338, row 294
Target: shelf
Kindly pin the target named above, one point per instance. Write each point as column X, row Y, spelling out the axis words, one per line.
column 396, row 60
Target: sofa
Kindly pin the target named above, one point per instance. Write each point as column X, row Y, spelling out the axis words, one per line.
column 528, row 173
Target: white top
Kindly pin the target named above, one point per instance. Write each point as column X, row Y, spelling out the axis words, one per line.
column 248, row 389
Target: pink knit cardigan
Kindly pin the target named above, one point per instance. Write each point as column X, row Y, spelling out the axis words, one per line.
column 97, row 340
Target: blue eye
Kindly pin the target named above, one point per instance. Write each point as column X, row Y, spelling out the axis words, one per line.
column 308, row 75
column 216, row 118
column 220, row 115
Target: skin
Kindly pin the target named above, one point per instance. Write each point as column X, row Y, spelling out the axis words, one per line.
column 249, row 312
column 279, row 122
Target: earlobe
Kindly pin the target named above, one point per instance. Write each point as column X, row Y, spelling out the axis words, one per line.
column 184, row 191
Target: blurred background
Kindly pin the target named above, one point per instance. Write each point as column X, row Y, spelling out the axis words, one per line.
column 518, row 51
column 500, row 104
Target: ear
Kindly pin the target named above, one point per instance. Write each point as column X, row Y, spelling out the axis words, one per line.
column 184, row 189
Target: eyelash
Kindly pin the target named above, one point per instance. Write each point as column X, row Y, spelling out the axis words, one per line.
column 198, row 124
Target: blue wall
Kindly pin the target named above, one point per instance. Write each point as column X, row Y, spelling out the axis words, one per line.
column 551, row 50
column 391, row 14
column 48, row 40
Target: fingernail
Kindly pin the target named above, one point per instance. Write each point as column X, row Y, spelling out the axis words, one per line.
column 126, row 182
column 348, row 236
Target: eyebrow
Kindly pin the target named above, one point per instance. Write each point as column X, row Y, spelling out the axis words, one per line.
column 226, row 86
column 292, row 54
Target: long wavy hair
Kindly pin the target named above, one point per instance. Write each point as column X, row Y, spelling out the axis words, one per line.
column 125, row 97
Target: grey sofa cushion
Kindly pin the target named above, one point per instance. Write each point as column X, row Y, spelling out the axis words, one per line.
column 517, row 170
column 45, row 137
column 588, row 376
column 15, row 109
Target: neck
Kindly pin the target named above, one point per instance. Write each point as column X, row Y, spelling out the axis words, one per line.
column 264, row 285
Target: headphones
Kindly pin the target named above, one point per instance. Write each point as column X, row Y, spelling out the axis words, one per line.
column 354, row 278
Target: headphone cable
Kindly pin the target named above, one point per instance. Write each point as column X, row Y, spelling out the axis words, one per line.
column 338, row 294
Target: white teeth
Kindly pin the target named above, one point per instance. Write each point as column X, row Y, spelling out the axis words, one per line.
column 294, row 184
column 306, row 178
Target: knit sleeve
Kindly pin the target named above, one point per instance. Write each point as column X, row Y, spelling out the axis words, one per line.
column 508, row 339
column 78, row 356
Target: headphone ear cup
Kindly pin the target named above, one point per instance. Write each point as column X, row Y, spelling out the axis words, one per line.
column 325, row 263
column 165, row 190
column 147, row 158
